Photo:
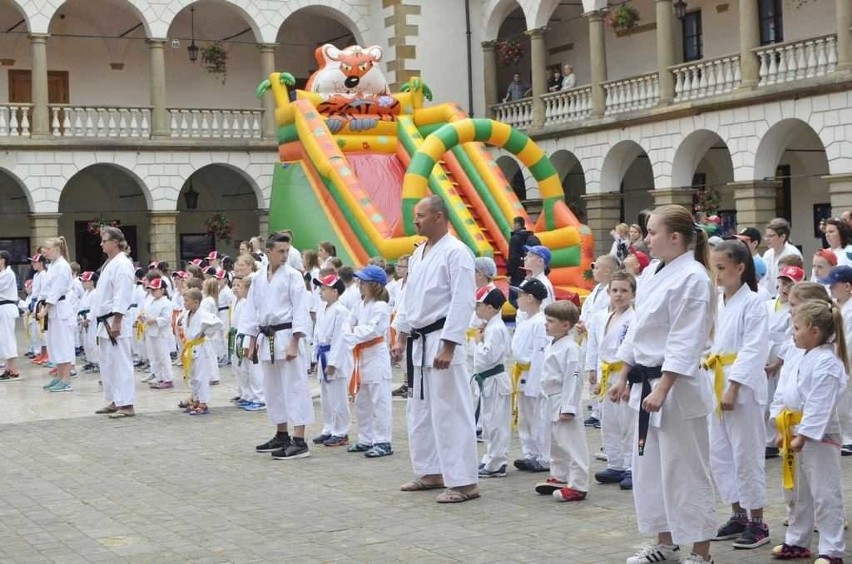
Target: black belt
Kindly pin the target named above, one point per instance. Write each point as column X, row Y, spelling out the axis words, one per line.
column 644, row 375
column 269, row 331
column 42, row 303
column 131, row 306
column 409, row 351
column 226, row 308
column 7, row 302
column 480, row 378
column 103, row 319
column 83, row 313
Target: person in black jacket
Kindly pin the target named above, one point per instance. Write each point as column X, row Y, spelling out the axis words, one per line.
column 520, row 237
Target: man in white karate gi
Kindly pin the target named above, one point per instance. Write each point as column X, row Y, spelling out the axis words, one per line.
column 114, row 332
column 431, row 322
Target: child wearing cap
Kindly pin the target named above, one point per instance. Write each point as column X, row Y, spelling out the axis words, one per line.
column 537, row 265
column 484, row 272
column 494, row 407
column 332, row 362
column 38, row 261
column 636, row 261
column 141, row 326
column 563, row 389
column 158, row 318
column 86, row 320
column 839, row 281
column 822, row 263
column 248, row 375
column 30, row 322
column 137, row 303
column 528, row 344
column 366, row 337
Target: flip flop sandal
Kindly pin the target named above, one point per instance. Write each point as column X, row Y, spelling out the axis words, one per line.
column 106, row 410
column 199, row 411
column 419, row 485
column 185, row 404
column 121, row 415
column 456, row 496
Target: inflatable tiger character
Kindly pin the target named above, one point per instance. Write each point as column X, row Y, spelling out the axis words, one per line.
column 353, row 71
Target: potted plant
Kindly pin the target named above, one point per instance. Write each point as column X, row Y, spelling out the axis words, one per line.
column 622, row 18
column 509, row 52
column 94, row 227
column 219, row 226
column 215, row 60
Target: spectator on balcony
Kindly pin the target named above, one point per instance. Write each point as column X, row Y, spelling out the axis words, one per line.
column 554, row 82
column 569, row 81
column 518, row 89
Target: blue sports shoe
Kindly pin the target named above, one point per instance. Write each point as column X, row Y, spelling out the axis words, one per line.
column 254, row 406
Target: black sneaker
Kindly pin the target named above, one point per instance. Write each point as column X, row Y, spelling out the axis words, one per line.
column 592, row 422
column 275, row 443
column 772, row 452
column 320, row 439
column 846, row 450
column 755, row 535
column 292, row 451
column 735, row 527
column 523, row 464
column 535, row 466
column 400, row 392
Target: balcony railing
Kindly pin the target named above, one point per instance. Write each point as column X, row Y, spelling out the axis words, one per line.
column 701, row 79
column 99, row 121
column 786, row 62
column 567, row 105
column 517, row 114
column 216, row 124
column 15, row 120
column 629, row 94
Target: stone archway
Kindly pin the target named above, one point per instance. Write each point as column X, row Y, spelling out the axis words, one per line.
column 573, row 180
column 15, row 219
column 627, row 169
column 514, row 174
column 703, row 162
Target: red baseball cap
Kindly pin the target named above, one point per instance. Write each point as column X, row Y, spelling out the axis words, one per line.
column 332, row 281
column 828, row 255
column 87, row 276
column 490, row 296
column 196, row 261
column 36, row 258
column 221, row 274
column 794, row 273
column 213, row 255
column 644, row 260
column 156, row 284
column 182, row 274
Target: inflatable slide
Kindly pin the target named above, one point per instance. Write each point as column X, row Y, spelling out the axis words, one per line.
column 355, row 158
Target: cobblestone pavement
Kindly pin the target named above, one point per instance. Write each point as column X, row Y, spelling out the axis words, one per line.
column 166, row 487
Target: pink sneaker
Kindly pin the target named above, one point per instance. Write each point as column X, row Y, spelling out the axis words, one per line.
column 568, row 494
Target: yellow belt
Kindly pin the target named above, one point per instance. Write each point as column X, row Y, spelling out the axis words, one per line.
column 186, row 356
column 140, row 330
column 470, row 334
column 784, row 422
column 518, row 369
column 717, row 363
column 608, row 368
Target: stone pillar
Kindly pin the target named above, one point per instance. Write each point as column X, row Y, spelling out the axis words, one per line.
column 43, row 226
column 603, row 213
column 489, row 73
column 844, row 35
column 749, row 40
column 679, row 196
column 538, row 60
column 159, row 115
column 40, row 122
column 263, row 223
column 665, row 50
column 840, row 193
column 267, row 67
column 597, row 56
column 755, row 202
column 163, row 241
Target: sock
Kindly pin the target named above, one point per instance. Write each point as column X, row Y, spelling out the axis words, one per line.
column 282, row 435
column 741, row 515
column 299, row 441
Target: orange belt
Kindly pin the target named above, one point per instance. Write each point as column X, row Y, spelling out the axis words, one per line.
column 392, row 330
column 355, row 381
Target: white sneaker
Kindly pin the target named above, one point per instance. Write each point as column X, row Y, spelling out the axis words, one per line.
column 656, row 554
column 696, row 559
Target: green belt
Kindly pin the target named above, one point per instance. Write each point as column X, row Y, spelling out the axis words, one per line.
column 480, row 378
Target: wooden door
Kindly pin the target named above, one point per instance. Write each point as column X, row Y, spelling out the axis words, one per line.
column 21, row 87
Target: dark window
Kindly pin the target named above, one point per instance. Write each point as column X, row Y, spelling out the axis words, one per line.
column 771, row 22
column 693, row 40
column 783, row 193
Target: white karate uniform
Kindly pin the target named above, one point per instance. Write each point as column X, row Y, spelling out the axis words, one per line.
column 770, row 281
column 596, row 302
column 33, row 332
column 617, row 419
column 441, row 429
column 496, row 397
column 61, row 318
column 351, row 297
column 294, row 259
column 738, row 437
column 204, row 360
column 551, row 296
column 137, row 304
column 528, row 344
column 208, row 304
column 74, row 297
column 226, row 301
column 672, row 485
column 331, row 326
column 844, row 408
column 157, row 338
column 8, row 313
column 817, row 498
column 368, row 321
column 281, row 299
column 780, row 332
column 842, row 255
column 87, row 322
column 114, row 295
column 563, row 387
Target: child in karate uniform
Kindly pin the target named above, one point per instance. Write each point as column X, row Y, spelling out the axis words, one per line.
column 224, row 301
column 563, row 387
column 248, row 375
column 35, row 341
column 596, row 303
column 371, row 375
column 199, row 351
column 606, row 333
column 809, row 434
column 158, row 318
column 735, row 365
column 839, row 281
column 528, row 344
column 333, row 366
column 87, row 320
column 209, row 303
column 494, row 405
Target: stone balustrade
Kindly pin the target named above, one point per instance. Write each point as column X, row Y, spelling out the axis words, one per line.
column 701, row 79
column 517, row 114
column 567, row 105
column 15, row 120
column 216, row 123
column 630, row 94
column 797, row 60
column 99, row 121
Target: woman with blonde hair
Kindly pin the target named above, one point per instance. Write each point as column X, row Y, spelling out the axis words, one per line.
column 57, row 313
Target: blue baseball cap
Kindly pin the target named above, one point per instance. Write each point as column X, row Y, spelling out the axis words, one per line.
column 759, row 266
column 372, row 273
column 838, row 274
column 539, row 250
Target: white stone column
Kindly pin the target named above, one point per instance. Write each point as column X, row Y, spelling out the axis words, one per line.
column 676, row 196
column 263, row 223
column 749, row 40
column 603, row 212
column 844, row 35
column 163, row 240
column 538, row 60
column 40, row 122
column 597, row 56
column 267, row 67
column 755, row 202
column 665, row 50
column 159, row 114
column 43, row 226
column 840, row 193
column 489, row 71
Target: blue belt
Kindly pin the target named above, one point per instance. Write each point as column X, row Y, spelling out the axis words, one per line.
column 322, row 356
